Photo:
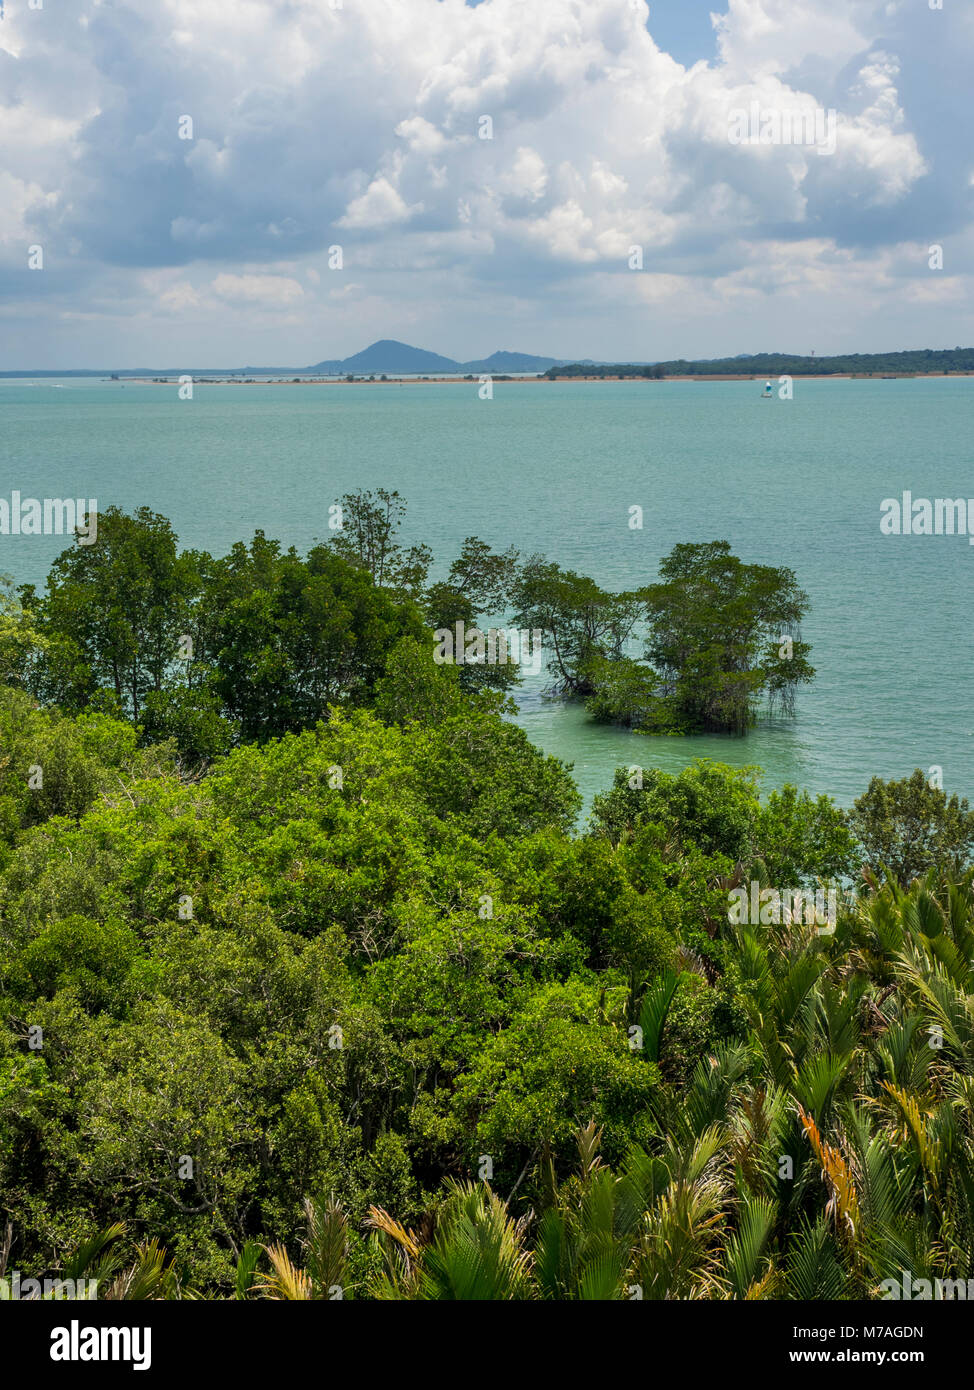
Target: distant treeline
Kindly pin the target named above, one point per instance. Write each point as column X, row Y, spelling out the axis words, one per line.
column 780, row 363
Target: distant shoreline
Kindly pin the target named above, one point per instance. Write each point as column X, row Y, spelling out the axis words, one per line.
column 518, row 366
column 524, row 380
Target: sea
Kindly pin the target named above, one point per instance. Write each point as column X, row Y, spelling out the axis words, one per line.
column 556, row 468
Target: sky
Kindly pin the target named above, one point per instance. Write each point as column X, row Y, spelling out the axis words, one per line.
column 278, row 182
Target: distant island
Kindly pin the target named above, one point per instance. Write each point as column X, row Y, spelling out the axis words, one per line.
column 387, row 357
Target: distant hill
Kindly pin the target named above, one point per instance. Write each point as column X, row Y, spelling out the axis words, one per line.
column 511, row 362
column 388, row 355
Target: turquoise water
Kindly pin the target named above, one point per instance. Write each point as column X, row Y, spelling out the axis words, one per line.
column 555, row 467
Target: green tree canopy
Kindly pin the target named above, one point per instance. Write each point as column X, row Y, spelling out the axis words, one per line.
column 908, row 827
column 294, row 636
column 722, row 632
column 113, row 613
column 580, row 622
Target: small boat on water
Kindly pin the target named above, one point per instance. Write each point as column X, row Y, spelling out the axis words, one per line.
column 766, row 394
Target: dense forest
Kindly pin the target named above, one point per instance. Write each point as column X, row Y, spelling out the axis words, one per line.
column 786, row 364
column 311, row 986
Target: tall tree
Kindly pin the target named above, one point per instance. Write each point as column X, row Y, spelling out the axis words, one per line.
column 909, row 827
column 369, row 538
column 113, row 613
column 294, row 636
column 486, row 577
column 723, row 632
column 580, row 621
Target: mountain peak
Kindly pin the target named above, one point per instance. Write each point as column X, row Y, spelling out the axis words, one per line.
column 389, row 355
